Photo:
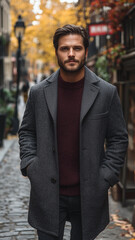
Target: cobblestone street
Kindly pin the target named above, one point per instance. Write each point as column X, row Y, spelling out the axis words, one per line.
column 14, row 197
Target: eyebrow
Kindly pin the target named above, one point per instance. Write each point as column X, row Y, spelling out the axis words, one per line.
column 72, row 46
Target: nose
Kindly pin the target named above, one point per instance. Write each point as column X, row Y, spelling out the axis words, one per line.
column 71, row 52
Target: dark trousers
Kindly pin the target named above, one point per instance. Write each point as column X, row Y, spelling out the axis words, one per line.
column 70, row 208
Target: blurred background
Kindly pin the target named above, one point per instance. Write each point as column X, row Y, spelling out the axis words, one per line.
column 27, row 57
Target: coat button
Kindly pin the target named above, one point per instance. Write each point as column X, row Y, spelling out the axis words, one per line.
column 53, row 149
column 53, row 180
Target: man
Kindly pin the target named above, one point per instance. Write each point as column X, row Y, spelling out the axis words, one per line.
column 68, row 119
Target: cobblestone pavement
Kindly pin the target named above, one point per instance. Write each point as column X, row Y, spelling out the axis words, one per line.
column 14, row 197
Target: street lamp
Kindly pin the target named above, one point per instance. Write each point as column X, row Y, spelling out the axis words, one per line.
column 19, row 29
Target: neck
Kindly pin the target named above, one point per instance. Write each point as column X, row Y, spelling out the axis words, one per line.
column 72, row 76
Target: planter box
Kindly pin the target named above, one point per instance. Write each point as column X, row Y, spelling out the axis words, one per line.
column 2, row 128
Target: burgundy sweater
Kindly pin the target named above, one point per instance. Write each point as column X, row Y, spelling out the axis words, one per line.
column 68, row 125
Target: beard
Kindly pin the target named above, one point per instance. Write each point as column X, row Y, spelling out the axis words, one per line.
column 71, row 69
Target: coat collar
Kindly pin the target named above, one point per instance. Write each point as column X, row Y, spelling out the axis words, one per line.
column 50, row 91
column 90, row 93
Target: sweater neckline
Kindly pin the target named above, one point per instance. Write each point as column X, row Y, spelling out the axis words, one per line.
column 64, row 84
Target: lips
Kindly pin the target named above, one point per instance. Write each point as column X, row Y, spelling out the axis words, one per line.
column 71, row 61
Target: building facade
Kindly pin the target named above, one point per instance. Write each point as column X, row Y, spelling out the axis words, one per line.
column 5, row 59
column 126, row 88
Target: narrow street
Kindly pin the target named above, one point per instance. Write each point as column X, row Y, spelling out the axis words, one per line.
column 14, row 197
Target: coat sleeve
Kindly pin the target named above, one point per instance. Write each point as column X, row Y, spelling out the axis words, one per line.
column 116, row 142
column 27, row 136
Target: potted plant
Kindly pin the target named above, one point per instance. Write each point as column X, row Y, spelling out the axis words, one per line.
column 101, row 67
column 6, row 113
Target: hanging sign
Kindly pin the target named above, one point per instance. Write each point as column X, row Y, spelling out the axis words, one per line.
column 100, row 29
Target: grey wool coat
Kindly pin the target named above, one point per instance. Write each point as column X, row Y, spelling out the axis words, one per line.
column 101, row 121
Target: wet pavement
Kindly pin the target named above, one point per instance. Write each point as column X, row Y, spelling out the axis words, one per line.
column 14, row 199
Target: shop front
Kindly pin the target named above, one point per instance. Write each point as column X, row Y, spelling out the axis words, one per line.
column 126, row 89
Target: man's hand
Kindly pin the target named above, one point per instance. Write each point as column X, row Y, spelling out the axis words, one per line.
column 27, row 169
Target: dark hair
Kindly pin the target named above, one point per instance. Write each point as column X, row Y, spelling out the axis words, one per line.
column 70, row 29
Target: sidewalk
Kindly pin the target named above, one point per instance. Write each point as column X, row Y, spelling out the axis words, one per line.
column 14, row 192
column 7, row 143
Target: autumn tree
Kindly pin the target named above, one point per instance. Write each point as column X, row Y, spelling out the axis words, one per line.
column 83, row 13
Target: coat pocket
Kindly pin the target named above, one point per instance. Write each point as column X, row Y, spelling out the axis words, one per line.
column 106, row 183
column 31, row 166
column 98, row 116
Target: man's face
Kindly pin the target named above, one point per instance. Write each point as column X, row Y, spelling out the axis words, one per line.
column 71, row 54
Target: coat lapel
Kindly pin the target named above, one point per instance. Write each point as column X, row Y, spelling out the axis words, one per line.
column 90, row 92
column 50, row 91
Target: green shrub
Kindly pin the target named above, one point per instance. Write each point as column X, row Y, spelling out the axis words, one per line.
column 102, row 68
